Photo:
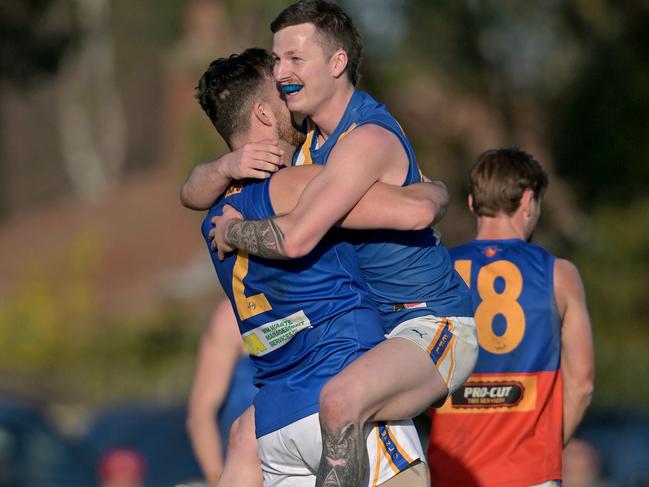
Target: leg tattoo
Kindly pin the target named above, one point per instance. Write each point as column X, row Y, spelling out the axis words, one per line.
column 344, row 456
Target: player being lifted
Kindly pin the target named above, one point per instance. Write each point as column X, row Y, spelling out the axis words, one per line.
column 302, row 320
column 533, row 381
column 425, row 306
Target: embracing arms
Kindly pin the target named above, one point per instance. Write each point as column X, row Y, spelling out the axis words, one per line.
column 383, row 206
column 367, row 155
column 209, row 180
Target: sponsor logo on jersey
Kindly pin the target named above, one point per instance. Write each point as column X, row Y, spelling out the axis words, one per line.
column 402, row 306
column 234, row 188
column 488, row 394
column 275, row 334
column 490, row 251
column 420, row 333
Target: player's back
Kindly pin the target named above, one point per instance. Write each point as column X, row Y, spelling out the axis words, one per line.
column 503, row 427
column 302, row 320
column 400, row 268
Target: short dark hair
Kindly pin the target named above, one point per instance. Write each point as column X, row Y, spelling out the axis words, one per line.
column 499, row 178
column 227, row 89
column 332, row 23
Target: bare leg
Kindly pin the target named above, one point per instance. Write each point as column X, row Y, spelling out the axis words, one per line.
column 395, row 380
column 242, row 467
column 416, row 475
column 344, row 456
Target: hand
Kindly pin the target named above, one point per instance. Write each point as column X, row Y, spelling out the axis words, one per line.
column 217, row 234
column 256, row 160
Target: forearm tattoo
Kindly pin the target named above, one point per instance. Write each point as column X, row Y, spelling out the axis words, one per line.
column 260, row 237
column 343, row 461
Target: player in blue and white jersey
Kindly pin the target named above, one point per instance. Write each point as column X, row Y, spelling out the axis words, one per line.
column 302, row 320
column 426, row 304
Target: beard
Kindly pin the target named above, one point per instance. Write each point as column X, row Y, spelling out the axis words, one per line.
column 289, row 132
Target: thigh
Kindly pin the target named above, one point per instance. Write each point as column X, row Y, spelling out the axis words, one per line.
column 416, row 475
column 451, row 343
column 242, row 467
column 394, row 380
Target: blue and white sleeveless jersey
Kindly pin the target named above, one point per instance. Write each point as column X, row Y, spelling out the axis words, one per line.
column 302, row 320
column 400, row 268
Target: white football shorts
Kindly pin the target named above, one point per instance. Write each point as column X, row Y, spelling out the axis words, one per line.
column 290, row 456
column 451, row 343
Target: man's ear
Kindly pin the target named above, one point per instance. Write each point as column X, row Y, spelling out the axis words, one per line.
column 262, row 112
column 526, row 200
column 339, row 62
column 469, row 201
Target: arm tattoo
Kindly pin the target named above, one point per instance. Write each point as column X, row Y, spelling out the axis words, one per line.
column 260, row 237
column 344, row 457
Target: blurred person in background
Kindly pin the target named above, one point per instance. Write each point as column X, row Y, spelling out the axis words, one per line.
column 122, row 467
column 508, row 424
column 582, row 465
column 221, row 391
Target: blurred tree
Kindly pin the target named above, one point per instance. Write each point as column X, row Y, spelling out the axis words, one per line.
column 567, row 80
column 601, row 129
column 34, row 37
column 93, row 128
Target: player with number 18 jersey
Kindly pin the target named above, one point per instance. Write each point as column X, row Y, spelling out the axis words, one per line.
column 503, row 427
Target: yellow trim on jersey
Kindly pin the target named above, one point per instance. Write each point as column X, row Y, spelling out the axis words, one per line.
column 351, row 127
column 304, row 157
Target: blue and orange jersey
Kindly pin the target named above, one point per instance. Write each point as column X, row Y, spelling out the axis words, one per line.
column 400, row 268
column 302, row 320
column 503, row 427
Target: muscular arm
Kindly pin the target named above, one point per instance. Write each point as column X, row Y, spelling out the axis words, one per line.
column 208, row 180
column 362, row 158
column 412, row 207
column 220, row 348
column 577, row 356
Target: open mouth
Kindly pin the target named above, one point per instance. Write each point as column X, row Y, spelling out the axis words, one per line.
column 291, row 89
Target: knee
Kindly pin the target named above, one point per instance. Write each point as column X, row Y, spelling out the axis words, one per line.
column 337, row 405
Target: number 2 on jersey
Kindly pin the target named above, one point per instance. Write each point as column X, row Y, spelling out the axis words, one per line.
column 247, row 306
column 493, row 303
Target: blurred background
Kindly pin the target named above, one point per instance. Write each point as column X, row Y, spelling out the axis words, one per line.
column 105, row 283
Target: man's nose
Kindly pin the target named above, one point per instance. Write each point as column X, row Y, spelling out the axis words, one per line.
column 280, row 71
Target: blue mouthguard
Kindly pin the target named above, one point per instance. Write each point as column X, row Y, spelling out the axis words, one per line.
column 291, row 88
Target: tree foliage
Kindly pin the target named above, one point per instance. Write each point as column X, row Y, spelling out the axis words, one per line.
column 34, row 37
